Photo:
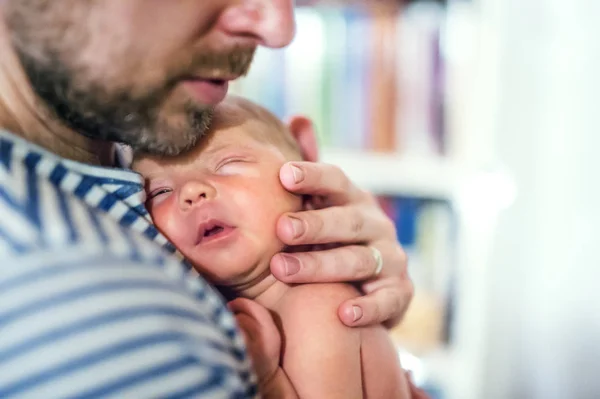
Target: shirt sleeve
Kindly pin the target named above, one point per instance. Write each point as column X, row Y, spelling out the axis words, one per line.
column 107, row 326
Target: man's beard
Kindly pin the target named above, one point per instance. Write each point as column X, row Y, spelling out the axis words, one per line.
column 120, row 116
column 140, row 118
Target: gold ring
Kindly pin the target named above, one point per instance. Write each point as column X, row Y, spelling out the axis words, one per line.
column 378, row 261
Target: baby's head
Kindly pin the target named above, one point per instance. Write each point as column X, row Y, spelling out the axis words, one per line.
column 220, row 202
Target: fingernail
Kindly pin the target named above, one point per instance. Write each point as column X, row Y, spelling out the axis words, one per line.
column 357, row 313
column 297, row 226
column 298, row 174
column 292, row 264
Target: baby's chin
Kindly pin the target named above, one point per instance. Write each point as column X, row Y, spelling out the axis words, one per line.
column 235, row 274
column 238, row 267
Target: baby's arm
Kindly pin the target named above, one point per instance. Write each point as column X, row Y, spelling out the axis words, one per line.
column 264, row 347
column 279, row 387
column 322, row 357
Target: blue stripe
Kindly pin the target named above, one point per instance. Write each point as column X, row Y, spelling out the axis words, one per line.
column 202, row 292
column 217, row 315
column 127, row 190
column 141, row 209
column 81, row 326
column 79, row 293
column 14, row 244
column 107, row 202
column 58, row 174
column 6, row 153
column 84, row 186
column 217, row 346
column 231, row 334
column 151, row 232
column 246, row 375
column 220, row 312
column 170, row 248
column 216, row 380
column 238, row 354
column 132, row 245
column 96, row 226
column 65, row 212
column 90, row 359
column 100, row 180
column 11, row 202
column 33, row 205
column 160, row 260
column 152, row 374
column 252, row 388
column 129, row 217
column 106, row 261
column 18, row 208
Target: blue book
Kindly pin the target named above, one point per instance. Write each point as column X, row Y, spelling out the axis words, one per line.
column 406, row 216
column 354, row 107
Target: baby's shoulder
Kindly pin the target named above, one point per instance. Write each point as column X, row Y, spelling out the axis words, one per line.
column 315, row 302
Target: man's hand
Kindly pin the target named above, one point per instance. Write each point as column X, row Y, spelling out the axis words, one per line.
column 351, row 217
column 263, row 340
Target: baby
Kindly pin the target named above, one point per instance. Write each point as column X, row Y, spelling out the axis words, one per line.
column 219, row 204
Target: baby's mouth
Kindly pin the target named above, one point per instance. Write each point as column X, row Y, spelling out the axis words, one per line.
column 212, row 230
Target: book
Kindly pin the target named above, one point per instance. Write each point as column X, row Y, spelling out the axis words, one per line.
column 369, row 77
column 427, row 231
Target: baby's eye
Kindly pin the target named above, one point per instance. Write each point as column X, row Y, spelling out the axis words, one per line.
column 157, row 192
column 227, row 161
column 230, row 161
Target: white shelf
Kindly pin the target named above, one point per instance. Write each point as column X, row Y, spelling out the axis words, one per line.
column 394, row 174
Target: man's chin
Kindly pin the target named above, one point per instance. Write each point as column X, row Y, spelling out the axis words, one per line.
column 172, row 137
column 163, row 146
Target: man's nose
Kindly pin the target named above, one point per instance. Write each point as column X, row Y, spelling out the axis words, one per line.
column 269, row 22
column 194, row 193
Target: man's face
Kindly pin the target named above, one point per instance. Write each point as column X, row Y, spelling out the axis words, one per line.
column 143, row 72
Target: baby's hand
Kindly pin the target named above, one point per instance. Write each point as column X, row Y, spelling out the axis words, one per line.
column 262, row 337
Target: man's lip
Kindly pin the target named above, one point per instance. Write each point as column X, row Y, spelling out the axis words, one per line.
column 207, row 92
column 209, row 78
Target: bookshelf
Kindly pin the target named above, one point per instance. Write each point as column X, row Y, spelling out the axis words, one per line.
column 391, row 175
column 361, row 3
column 388, row 101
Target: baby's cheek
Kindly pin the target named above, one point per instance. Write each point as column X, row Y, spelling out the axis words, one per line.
column 168, row 224
column 289, row 202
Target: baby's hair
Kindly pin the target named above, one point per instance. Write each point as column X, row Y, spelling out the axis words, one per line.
column 227, row 114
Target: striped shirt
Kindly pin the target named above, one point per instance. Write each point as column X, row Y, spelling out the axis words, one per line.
column 94, row 301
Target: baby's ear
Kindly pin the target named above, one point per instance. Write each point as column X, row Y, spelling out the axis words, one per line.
column 303, row 131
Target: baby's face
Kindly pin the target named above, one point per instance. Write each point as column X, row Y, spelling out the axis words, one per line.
column 220, row 203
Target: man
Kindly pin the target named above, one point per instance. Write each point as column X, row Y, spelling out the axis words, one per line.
column 91, row 303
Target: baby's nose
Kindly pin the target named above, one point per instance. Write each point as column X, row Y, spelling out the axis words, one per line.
column 193, row 193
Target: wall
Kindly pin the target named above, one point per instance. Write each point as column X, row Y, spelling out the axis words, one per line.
column 543, row 287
